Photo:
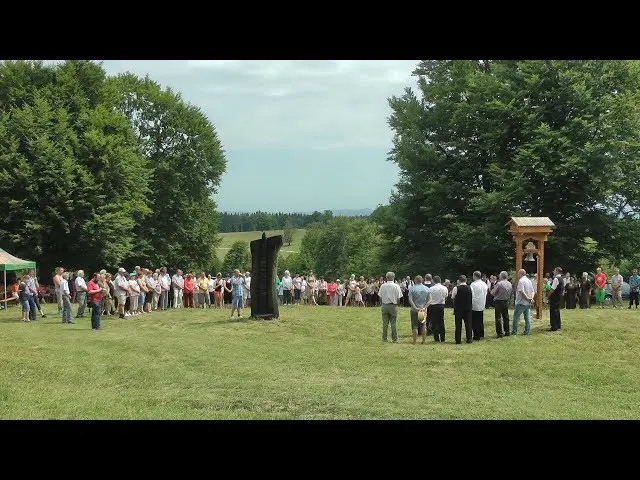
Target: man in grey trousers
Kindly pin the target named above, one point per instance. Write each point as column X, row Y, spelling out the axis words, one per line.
column 390, row 294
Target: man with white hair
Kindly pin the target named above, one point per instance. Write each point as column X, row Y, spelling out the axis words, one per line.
column 524, row 300
column 616, row 288
column 501, row 294
column 287, row 285
column 121, row 290
column 81, row 293
column 390, row 295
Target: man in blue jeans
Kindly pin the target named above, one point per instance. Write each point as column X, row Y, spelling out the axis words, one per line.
column 524, row 299
column 95, row 295
column 237, row 288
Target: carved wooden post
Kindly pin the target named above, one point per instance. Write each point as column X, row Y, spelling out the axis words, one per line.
column 540, row 291
column 264, row 259
column 518, row 256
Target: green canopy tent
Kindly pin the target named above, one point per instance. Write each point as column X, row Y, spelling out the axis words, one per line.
column 9, row 263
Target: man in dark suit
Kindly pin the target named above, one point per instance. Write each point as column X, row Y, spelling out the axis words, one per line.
column 462, row 298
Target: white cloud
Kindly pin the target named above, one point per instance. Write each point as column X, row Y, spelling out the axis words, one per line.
column 316, row 104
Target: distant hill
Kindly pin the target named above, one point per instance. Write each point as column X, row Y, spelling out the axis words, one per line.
column 363, row 212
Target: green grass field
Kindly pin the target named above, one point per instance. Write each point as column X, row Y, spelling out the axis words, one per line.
column 229, row 238
column 315, row 363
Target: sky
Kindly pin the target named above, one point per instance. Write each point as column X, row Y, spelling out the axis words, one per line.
column 298, row 135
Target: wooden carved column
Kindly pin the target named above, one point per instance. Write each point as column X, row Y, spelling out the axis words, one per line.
column 540, row 279
column 518, row 241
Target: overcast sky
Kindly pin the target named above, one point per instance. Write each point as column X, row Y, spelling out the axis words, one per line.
column 299, row 135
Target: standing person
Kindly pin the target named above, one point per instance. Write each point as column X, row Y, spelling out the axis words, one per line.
column 134, row 294
column 479, row 302
column 616, row 288
column 438, row 294
column 34, row 284
column 121, row 290
column 501, row 294
column 557, row 286
column 341, row 293
column 297, row 288
column 390, row 295
column 227, row 291
column 95, row 292
column 32, row 293
column 237, row 285
column 57, row 284
column 351, row 289
column 142, row 285
column 634, row 288
column 405, row 286
column 418, row 297
column 332, row 290
column 601, row 283
column 287, row 285
column 66, row 299
column 279, row 290
column 189, row 290
column 23, row 298
column 246, row 291
column 462, row 304
column 81, row 293
column 177, row 282
column 203, row 290
column 311, row 289
column 165, row 282
column 108, row 297
column 524, row 300
column 585, row 291
column 218, row 290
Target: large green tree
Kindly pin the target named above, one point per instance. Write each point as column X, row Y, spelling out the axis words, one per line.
column 340, row 247
column 481, row 141
column 238, row 257
column 71, row 176
column 186, row 163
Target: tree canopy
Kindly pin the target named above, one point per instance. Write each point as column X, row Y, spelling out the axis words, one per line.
column 481, row 141
column 110, row 170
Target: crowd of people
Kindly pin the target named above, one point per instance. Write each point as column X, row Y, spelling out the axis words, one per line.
column 142, row 291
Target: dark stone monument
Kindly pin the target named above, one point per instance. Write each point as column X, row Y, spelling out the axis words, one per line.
column 264, row 263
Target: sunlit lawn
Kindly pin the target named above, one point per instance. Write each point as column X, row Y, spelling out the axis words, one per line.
column 315, row 363
column 229, row 238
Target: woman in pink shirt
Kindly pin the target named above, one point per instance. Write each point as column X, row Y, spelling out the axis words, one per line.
column 189, row 290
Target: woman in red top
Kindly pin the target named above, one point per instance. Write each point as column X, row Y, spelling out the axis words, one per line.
column 188, row 291
column 332, row 288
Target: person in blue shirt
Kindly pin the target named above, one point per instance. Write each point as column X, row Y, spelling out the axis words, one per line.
column 237, row 283
column 418, row 296
column 634, row 284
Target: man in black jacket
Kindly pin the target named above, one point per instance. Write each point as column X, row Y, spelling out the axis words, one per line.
column 462, row 298
column 554, row 295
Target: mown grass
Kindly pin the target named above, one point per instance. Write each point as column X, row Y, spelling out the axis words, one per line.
column 229, row 238
column 315, row 363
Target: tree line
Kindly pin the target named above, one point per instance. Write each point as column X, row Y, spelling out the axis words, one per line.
column 249, row 222
column 101, row 171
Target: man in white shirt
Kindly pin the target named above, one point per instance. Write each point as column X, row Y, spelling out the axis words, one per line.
column 438, row 294
column 178, row 285
column 390, row 295
column 165, row 283
column 66, row 299
column 121, row 290
column 524, row 300
column 286, row 283
column 616, row 288
column 351, row 289
column 81, row 293
column 478, row 303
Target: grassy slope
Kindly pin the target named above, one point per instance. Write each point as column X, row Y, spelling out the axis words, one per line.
column 315, row 363
column 229, row 238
